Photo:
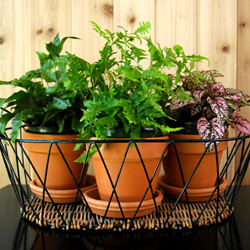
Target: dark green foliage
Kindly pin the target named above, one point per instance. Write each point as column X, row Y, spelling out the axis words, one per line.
column 50, row 96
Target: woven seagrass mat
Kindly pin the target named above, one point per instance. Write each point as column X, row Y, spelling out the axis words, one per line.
column 83, row 219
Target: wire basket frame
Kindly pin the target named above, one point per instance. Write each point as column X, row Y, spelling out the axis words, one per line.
column 171, row 213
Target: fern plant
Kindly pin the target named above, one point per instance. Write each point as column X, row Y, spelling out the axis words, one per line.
column 50, row 96
column 212, row 107
column 126, row 95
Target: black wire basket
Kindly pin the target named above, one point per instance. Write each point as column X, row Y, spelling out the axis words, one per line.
column 170, row 213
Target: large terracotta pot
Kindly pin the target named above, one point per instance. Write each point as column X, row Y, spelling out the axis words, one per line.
column 58, row 176
column 132, row 182
column 190, row 154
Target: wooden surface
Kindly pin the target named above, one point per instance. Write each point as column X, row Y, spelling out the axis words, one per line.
column 217, row 40
column 243, row 57
column 218, row 29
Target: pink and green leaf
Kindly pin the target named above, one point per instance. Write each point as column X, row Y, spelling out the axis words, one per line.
column 198, row 94
column 210, row 130
column 208, row 113
column 196, row 109
column 239, row 123
column 217, row 88
column 220, row 108
column 177, row 103
column 234, row 94
column 235, row 105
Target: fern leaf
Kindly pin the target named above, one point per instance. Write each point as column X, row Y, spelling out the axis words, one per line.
column 144, row 27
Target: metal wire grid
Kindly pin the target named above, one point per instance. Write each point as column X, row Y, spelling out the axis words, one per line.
column 18, row 167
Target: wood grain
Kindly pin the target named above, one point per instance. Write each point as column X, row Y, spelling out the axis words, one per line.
column 218, row 29
column 176, row 24
column 217, row 40
column 129, row 13
column 46, row 18
column 243, row 59
column 217, row 36
column 13, row 46
column 13, row 52
column 99, row 11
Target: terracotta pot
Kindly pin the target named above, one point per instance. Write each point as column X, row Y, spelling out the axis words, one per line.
column 62, row 196
column 58, row 176
column 194, row 194
column 132, row 182
column 99, row 206
column 189, row 154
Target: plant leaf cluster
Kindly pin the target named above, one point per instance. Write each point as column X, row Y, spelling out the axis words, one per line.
column 212, row 107
column 126, row 94
column 50, row 96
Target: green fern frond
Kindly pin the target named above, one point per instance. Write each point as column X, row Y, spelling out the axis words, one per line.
column 144, row 28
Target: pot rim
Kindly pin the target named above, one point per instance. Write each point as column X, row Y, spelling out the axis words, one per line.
column 46, row 130
column 121, row 133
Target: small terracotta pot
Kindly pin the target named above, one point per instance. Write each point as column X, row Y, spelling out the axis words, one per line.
column 62, row 196
column 128, row 208
column 58, row 176
column 194, row 194
column 189, row 154
column 132, row 182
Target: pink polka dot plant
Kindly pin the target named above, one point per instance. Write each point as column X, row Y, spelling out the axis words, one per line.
column 212, row 107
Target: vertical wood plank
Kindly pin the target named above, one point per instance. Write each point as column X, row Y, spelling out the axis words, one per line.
column 217, row 36
column 176, row 24
column 243, row 60
column 46, row 18
column 217, row 40
column 13, row 35
column 129, row 13
column 29, row 24
column 99, row 11
column 13, row 52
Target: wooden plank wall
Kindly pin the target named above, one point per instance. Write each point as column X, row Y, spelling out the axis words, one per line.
column 218, row 29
